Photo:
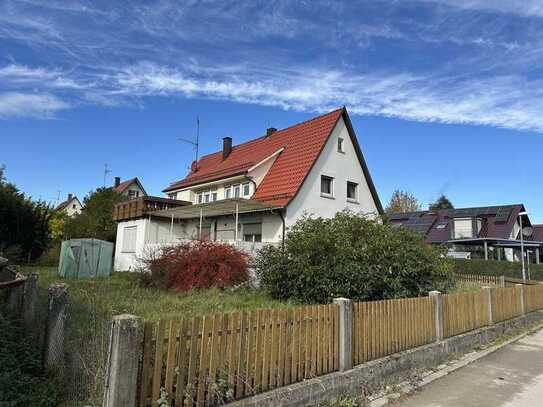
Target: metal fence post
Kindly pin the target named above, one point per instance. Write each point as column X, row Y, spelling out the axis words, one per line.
column 345, row 333
column 522, row 299
column 125, row 351
column 30, row 299
column 488, row 292
column 56, row 327
column 436, row 295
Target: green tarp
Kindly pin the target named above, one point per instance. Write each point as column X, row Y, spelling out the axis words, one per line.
column 85, row 258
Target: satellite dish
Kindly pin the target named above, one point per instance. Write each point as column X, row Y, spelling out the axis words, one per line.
column 527, row 231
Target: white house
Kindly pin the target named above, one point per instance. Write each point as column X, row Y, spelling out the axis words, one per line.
column 251, row 193
column 131, row 188
column 71, row 206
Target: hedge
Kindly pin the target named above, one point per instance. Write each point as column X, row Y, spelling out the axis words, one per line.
column 496, row 268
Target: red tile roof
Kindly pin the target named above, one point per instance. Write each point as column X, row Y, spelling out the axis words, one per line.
column 302, row 144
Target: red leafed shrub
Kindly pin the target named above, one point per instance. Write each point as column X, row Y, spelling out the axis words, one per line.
column 196, row 264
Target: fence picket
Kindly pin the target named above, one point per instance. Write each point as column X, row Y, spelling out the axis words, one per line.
column 157, row 373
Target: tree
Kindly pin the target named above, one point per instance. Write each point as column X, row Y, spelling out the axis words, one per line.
column 24, row 223
column 402, row 201
column 352, row 256
column 441, row 203
column 96, row 220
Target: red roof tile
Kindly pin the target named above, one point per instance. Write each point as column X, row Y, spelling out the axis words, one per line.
column 302, row 144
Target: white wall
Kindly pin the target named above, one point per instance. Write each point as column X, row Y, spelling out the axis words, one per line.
column 70, row 210
column 127, row 261
column 133, row 187
column 342, row 167
column 463, row 228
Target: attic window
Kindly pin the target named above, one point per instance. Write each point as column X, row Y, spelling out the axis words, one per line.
column 340, row 145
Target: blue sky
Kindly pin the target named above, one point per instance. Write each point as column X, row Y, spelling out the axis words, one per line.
column 446, row 96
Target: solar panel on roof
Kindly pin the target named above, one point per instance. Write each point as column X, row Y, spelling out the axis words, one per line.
column 503, row 214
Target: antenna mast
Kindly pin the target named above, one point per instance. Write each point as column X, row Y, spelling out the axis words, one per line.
column 196, row 143
column 106, row 171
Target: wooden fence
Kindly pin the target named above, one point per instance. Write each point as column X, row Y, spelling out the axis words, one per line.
column 533, row 297
column 464, row 312
column 478, row 279
column 209, row 360
column 381, row 328
column 506, row 303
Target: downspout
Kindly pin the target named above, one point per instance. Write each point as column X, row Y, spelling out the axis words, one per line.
column 280, row 212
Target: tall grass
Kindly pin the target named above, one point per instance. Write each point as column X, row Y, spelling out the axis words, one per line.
column 121, row 294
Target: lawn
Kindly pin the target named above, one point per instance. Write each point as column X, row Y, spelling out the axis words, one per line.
column 121, row 294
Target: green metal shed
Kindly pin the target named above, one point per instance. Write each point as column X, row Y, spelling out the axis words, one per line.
column 85, row 258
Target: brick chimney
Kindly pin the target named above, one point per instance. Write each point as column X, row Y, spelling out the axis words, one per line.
column 70, row 196
column 117, row 182
column 226, row 147
column 270, row 131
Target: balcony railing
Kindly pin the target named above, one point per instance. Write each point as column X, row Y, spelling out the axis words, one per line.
column 137, row 208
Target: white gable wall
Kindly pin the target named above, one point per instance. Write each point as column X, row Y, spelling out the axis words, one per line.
column 70, row 210
column 342, row 167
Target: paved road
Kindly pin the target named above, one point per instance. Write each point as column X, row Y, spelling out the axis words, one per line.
column 512, row 376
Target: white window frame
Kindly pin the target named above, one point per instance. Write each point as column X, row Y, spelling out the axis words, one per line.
column 228, row 192
column 248, row 186
column 236, row 188
column 341, row 145
column 326, row 194
column 356, row 196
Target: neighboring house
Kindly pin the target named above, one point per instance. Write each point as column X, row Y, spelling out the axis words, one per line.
column 131, row 188
column 71, row 206
column 492, row 231
column 249, row 194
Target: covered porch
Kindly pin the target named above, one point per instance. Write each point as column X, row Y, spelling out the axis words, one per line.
column 502, row 249
column 230, row 220
column 245, row 223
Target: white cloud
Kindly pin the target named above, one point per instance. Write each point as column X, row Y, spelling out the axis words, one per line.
column 502, row 101
column 42, row 106
column 522, row 7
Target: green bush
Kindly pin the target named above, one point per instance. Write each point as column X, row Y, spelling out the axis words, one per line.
column 351, row 256
column 496, row 268
column 22, row 381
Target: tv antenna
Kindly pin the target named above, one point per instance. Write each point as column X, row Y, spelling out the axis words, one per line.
column 195, row 144
column 58, row 196
column 106, row 171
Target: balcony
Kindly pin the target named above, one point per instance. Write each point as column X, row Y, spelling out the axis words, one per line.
column 137, row 208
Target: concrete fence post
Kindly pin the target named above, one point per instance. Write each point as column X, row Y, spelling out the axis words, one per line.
column 436, row 295
column 488, row 294
column 125, row 351
column 502, row 281
column 30, row 300
column 345, row 333
column 520, row 287
column 15, row 298
column 55, row 331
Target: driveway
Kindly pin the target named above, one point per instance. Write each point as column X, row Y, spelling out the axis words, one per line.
column 511, row 376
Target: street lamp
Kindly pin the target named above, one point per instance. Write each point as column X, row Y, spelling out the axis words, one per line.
column 520, row 215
